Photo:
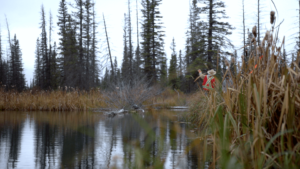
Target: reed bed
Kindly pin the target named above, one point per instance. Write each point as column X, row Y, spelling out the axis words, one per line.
column 255, row 124
column 59, row 100
column 168, row 98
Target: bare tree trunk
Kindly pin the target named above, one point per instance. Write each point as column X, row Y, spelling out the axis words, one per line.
column 299, row 29
column 8, row 33
column 111, row 61
column 137, row 23
column 210, row 52
column 244, row 31
column 258, row 12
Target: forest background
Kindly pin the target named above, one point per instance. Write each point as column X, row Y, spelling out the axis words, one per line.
column 181, row 20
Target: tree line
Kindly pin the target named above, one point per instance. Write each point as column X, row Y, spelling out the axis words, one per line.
column 73, row 61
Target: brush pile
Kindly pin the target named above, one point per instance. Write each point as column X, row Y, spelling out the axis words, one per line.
column 255, row 124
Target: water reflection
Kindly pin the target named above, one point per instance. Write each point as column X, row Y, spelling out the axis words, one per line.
column 91, row 140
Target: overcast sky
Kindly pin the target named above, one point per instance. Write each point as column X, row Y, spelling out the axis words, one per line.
column 24, row 18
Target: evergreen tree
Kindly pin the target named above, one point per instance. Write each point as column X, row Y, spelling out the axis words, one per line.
column 44, row 52
column 94, row 65
column 217, row 30
column 125, row 63
column 116, row 70
column 1, row 62
column 137, row 63
column 130, row 47
column 173, row 81
column 196, row 56
column 55, row 74
column 164, row 72
column 79, row 17
column 152, row 37
column 17, row 78
column 71, row 62
column 38, row 65
column 62, row 24
column 87, row 26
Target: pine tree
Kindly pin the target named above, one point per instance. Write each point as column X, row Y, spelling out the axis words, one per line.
column 164, row 72
column 152, row 37
column 173, row 81
column 44, row 52
column 55, row 74
column 79, row 17
column 137, row 63
column 94, row 66
column 130, row 47
column 71, row 62
column 62, row 24
column 125, row 63
column 217, row 30
column 17, row 78
column 196, row 56
column 1, row 61
column 87, row 26
column 38, row 65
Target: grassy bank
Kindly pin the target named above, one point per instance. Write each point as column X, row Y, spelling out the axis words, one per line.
column 255, row 124
column 59, row 100
column 74, row 100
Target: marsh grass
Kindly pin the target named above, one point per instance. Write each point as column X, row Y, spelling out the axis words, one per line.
column 169, row 98
column 58, row 100
column 255, row 124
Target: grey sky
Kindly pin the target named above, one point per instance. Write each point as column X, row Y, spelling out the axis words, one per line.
column 24, row 18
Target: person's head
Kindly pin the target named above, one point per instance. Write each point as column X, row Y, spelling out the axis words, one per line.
column 211, row 72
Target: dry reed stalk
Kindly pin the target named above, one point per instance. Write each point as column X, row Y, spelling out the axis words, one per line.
column 266, row 106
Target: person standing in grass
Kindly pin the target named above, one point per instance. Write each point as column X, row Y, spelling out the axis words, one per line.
column 208, row 80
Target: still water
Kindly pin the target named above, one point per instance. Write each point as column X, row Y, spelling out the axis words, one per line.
column 92, row 140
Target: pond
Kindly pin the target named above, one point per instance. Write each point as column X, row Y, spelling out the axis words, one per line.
column 93, row 140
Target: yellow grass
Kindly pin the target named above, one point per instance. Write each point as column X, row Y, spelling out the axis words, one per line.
column 59, row 100
column 168, row 98
column 256, row 123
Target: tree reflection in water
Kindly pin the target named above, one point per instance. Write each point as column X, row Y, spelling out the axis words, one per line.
column 91, row 140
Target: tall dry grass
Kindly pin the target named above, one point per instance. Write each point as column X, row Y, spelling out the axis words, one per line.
column 59, row 100
column 256, row 123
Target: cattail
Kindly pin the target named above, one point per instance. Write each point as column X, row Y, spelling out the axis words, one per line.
column 232, row 59
column 278, row 49
column 226, row 63
column 298, row 77
column 258, row 50
column 272, row 17
column 267, row 35
column 254, row 31
column 243, row 57
column 253, row 40
column 270, row 39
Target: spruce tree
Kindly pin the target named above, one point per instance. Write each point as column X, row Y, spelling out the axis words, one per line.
column 196, row 56
column 173, row 81
column 17, row 78
column 130, row 47
column 1, row 61
column 217, row 30
column 44, row 52
column 55, row 74
column 79, row 17
column 152, row 39
column 38, row 65
column 94, row 65
column 87, row 31
column 125, row 63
